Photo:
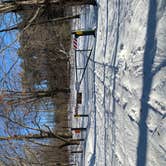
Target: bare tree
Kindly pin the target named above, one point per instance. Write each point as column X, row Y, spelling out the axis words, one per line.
column 25, row 136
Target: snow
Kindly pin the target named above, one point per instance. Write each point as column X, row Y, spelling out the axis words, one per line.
column 124, row 86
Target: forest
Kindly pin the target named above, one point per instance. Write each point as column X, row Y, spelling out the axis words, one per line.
column 35, row 43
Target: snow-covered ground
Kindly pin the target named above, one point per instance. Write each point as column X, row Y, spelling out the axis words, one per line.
column 124, row 87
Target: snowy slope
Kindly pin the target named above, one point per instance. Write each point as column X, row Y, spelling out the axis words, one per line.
column 124, row 87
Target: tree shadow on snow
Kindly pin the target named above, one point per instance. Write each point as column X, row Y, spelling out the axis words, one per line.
column 149, row 55
column 113, row 62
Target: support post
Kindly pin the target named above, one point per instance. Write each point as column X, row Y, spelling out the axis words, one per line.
column 79, row 128
column 79, row 33
column 80, row 115
column 79, row 151
column 79, row 98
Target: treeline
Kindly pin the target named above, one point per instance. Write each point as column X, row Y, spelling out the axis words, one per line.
column 44, row 41
column 44, row 49
column 44, row 52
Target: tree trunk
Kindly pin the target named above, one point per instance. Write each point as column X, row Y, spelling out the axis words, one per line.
column 63, row 136
column 15, row 5
column 57, row 20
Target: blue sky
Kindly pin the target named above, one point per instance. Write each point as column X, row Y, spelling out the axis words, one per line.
column 9, row 55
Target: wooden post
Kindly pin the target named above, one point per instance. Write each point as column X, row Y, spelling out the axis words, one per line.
column 76, row 109
column 78, row 130
column 81, row 139
column 80, row 115
column 79, row 151
column 79, row 33
column 79, row 98
column 81, row 129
